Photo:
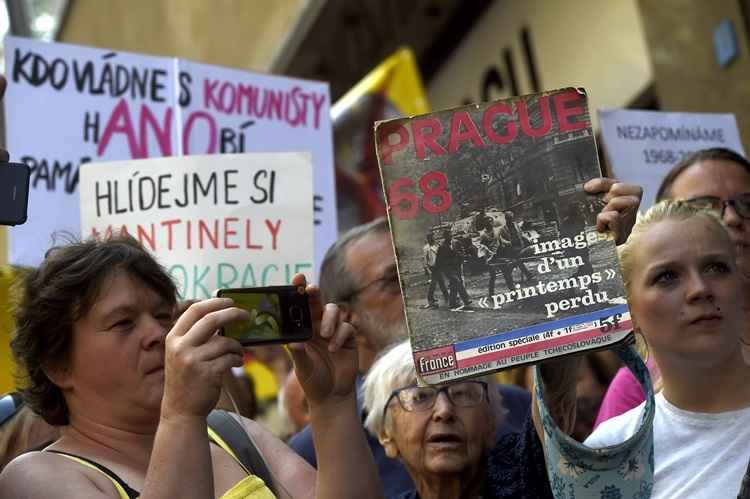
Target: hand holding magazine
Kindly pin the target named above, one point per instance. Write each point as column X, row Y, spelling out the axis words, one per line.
column 506, row 175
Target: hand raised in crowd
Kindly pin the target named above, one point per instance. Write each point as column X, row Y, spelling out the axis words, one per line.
column 196, row 358
column 326, row 366
column 621, row 206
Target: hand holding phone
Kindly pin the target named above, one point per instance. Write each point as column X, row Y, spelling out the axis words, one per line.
column 14, row 193
column 278, row 314
column 326, row 365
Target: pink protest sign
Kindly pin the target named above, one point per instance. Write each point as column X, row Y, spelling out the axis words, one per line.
column 68, row 105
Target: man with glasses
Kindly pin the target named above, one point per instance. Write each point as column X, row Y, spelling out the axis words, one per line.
column 718, row 179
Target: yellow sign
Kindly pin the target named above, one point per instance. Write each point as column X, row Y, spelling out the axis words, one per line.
column 7, row 277
column 394, row 88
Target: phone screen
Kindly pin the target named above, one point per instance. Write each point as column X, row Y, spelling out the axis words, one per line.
column 278, row 314
column 265, row 322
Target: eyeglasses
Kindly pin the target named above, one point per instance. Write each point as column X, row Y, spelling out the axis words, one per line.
column 388, row 283
column 422, row 398
column 741, row 204
column 9, row 406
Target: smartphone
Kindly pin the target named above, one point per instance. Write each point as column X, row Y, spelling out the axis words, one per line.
column 278, row 314
column 14, row 193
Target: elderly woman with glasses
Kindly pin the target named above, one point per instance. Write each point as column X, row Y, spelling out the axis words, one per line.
column 446, row 436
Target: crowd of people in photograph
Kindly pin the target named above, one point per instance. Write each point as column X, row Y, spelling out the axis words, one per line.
column 124, row 391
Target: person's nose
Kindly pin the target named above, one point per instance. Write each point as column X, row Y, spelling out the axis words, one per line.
column 444, row 410
column 154, row 333
column 699, row 288
column 730, row 216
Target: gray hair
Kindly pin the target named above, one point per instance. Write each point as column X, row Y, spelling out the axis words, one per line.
column 394, row 369
column 336, row 281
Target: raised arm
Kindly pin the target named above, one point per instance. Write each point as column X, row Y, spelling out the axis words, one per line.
column 621, row 206
column 196, row 360
column 559, row 377
column 326, row 367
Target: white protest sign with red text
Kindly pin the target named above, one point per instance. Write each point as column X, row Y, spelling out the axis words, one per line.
column 236, row 220
column 67, row 105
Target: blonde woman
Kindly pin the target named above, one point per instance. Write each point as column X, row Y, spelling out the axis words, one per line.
column 717, row 179
column 683, row 285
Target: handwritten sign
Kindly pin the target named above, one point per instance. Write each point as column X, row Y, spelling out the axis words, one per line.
column 644, row 145
column 68, row 105
column 238, row 220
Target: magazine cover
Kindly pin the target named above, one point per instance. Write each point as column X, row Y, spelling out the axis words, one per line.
column 498, row 255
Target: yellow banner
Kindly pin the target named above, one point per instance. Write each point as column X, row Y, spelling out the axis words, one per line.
column 393, row 89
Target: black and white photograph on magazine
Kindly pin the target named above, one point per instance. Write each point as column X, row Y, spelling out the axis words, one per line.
column 498, row 255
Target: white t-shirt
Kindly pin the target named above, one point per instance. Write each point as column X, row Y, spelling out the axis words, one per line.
column 696, row 455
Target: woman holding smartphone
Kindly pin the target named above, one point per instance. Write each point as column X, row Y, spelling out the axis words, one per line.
column 102, row 354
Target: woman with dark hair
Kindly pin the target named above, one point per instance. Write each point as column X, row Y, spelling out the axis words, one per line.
column 711, row 154
column 97, row 338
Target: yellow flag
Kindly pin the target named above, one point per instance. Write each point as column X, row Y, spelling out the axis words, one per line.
column 393, row 89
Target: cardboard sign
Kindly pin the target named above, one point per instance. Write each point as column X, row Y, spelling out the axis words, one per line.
column 239, row 220
column 642, row 146
column 67, row 105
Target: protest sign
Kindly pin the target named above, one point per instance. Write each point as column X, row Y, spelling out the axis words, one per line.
column 67, row 105
column 250, row 112
column 237, row 220
column 642, row 146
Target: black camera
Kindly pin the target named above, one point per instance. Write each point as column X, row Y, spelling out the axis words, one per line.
column 14, row 193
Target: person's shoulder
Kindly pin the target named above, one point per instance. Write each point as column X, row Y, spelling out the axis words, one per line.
column 514, row 391
column 45, row 474
column 617, row 429
column 517, row 401
column 302, row 438
column 30, row 464
column 411, row 494
column 625, row 382
column 302, row 444
column 623, row 393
